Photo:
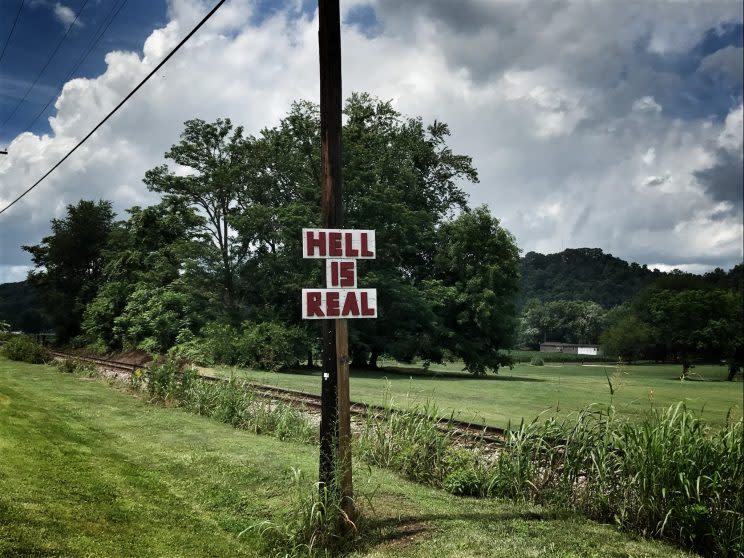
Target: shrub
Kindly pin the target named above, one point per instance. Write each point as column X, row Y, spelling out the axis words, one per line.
column 25, row 349
column 465, row 473
column 169, row 380
column 193, row 349
column 537, row 361
column 271, row 345
column 75, row 366
column 265, row 345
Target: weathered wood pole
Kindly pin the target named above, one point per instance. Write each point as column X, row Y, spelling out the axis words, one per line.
column 334, row 438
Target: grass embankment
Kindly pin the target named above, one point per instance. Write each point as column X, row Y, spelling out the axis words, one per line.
column 91, row 471
column 526, row 391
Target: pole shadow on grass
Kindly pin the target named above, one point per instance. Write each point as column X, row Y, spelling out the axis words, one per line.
column 406, row 528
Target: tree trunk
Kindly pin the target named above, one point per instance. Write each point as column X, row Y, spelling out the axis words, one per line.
column 685, row 369
column 733, row 371
column 373, row 359
column 310, row 359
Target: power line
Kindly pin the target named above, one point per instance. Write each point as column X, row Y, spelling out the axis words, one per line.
column 88, row 50
column 121, row 103
column 49, row 60
column 18, row 13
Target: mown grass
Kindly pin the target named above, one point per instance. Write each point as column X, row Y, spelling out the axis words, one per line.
column 87, row 470
column 528, row 391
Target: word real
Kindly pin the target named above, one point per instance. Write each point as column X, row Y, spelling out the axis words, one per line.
column 340, row 298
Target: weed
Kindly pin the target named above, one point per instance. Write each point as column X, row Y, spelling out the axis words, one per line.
column 315, row 524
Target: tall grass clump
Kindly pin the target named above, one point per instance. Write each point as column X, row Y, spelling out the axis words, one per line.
column 407, row 441
column 668, row 476
column 25, row 349
column 233, row 402
column 315, row 525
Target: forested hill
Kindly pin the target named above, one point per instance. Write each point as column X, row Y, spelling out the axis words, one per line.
column 18, row 307
column 582, row 274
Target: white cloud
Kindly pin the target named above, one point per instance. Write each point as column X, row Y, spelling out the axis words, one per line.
column 649, row 157
column 65, row 15
column 13, row 273
column 731, row 135
column 646, row 104
column 560, row 138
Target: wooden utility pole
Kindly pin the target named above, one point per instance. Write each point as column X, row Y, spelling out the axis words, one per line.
column 334, row 437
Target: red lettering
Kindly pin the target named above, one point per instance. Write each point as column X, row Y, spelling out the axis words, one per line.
column 365, row 246
column 347, row 273
column 314, row 303
column 351, row 306
column 313, row 243
column 367, row 310
column 334, row 274
column 334, row 244
column 332, row 310
column 351, row 252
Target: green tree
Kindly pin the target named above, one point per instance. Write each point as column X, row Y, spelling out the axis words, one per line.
column 214, row 161
column 628, row 338
column 693, row 324
column 151, row 251
column 400, row 178
column 568, row 321
column 477, row 271
column 69, row 264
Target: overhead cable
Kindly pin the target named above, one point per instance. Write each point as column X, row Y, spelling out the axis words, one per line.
column 121, row 103
column 49, row 60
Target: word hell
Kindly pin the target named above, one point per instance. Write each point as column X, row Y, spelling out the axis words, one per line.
column 338, row 243
column 320, row 304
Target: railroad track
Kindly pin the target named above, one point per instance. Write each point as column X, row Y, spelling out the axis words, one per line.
column 462, row 429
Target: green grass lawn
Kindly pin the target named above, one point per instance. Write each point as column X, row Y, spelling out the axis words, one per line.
column 526, row 391
column 89, row 470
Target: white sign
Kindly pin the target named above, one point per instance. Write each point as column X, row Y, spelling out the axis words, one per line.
column 340, row 299
column 341, row 274
column 324, row 304
column 338, row 243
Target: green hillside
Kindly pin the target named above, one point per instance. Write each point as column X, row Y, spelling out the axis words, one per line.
column 591, row 274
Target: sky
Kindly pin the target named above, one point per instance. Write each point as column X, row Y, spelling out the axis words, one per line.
column 607, row 124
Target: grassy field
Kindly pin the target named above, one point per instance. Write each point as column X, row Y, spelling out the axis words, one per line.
column 88, row 470
column 526, row 391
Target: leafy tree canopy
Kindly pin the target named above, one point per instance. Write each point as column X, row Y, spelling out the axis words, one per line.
column 69, row 264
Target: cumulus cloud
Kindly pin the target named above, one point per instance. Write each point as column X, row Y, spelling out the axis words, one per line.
column 560, row 106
